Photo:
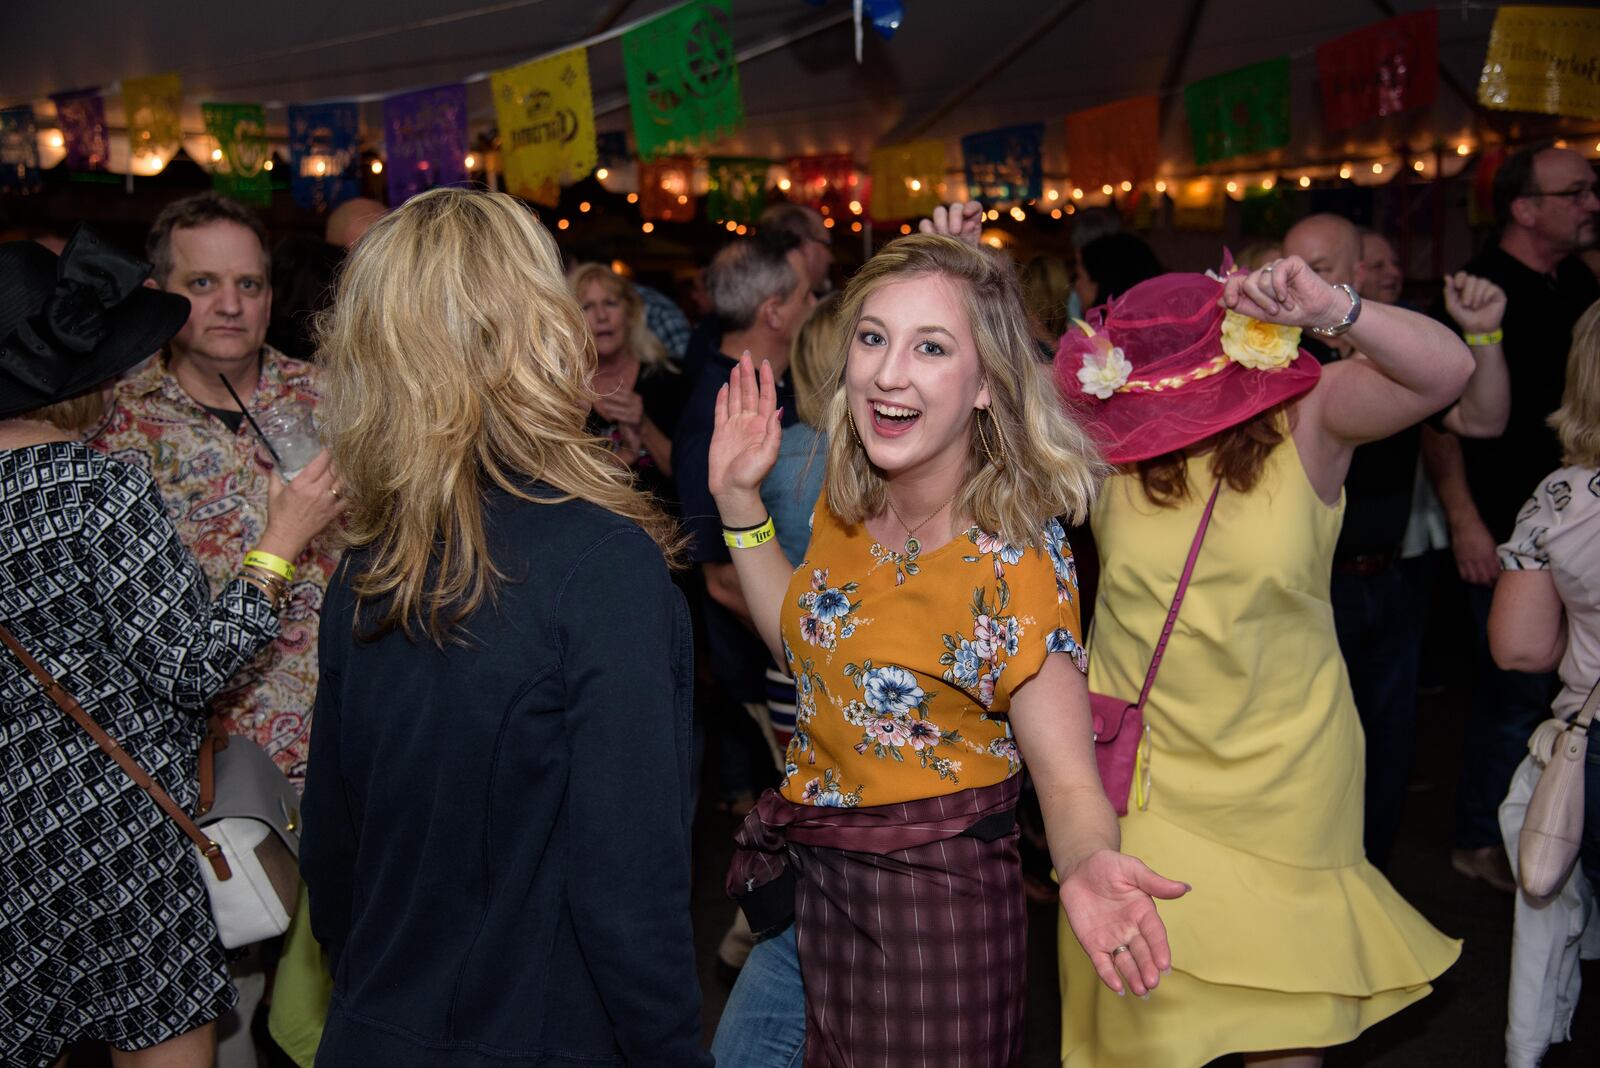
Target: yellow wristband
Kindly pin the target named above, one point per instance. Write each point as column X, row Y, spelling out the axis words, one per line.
column 275, row 564
column 1493, row 337
column 749, row 539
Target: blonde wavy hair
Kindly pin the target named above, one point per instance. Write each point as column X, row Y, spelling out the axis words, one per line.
column 1577, row 421
column 454, row 358
column 815, row 358
column 642, row 344
column 1047, row 465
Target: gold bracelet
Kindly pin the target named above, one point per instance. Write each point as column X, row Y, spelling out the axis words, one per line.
column 1493, row 337
column 272, row 581
column 276, row 564
column 275, row 598
column 749, row 539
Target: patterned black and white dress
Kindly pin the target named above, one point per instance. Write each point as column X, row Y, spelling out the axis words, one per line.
column 105, row 928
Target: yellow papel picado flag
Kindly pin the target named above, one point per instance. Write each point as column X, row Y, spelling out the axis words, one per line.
column 546, row 116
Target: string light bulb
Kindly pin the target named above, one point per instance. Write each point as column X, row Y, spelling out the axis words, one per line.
column 916, row 186
column 216, row 155
column 1127, row 187
column 1233, row 187
column 648, row 227
column 1018, row 214
column 741, row 229
column 633, row 198
column 905, row 228
column 855, row 207
column 1463, row 149
column 855, row 228
column 377, row 166
column 320, row 167
column 56, row 140
column 562, row 224
column 1305, row 181
column 471, row 161
column 585, row 206
column 1054, row 194
column 267, row 166
column 1377, row 168
column 1416, row 165
column 1344, row 172
column 1161, row 187
column 1055, row 213
column 1268, row 183
column 602, row 174
column 683, row 198
column 1107, row 189
column 1077, row 194
column 828, row 223
column 784, row 184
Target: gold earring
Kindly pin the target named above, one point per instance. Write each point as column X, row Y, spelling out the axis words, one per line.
column 851, row 419
column 983, row 440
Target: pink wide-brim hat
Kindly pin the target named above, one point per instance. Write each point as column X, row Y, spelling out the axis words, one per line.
column 1182, row 387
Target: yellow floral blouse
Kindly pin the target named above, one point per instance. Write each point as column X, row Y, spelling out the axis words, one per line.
column 904, row 665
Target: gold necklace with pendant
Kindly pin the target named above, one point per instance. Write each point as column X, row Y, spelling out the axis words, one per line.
column 913, row 546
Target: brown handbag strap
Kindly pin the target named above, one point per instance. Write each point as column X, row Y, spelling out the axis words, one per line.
column 109, row 745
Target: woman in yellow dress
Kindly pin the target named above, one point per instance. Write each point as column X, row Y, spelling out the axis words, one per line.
column 1290, row 941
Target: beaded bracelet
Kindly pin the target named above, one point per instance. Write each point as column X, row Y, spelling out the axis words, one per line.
column 1493, row 337
column 275, row 564
column 750, row 537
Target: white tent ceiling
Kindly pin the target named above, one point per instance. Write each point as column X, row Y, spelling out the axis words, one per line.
column 955, row 66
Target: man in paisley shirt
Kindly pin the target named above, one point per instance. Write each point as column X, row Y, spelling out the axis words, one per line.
column 173, row 417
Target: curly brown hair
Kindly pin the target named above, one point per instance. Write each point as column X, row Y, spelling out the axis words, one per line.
column 1237, row 456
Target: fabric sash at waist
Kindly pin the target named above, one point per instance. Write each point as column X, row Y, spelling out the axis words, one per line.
column 760, row 878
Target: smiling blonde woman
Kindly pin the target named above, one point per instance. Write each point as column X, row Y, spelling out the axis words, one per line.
column 464, row 792
column 933, row 633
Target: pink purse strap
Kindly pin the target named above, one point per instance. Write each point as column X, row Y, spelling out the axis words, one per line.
column 1177, row 598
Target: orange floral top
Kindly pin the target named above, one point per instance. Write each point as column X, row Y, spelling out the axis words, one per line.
column 904, row 663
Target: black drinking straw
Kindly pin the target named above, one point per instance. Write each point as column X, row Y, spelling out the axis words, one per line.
column 246, row 413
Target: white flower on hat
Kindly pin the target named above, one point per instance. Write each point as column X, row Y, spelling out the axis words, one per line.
column 1105, row 370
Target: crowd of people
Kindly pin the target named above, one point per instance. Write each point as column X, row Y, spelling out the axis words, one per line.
column 869, row 561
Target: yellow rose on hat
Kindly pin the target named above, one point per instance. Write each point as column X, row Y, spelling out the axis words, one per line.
column 1258, row 345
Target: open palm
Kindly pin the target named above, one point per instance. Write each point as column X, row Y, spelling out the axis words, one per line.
column 1108, row 901
column 746, row 431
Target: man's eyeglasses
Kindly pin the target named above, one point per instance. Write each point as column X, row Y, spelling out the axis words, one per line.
column 1569, row 194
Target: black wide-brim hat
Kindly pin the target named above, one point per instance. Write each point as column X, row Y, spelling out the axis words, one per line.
column 71, row 323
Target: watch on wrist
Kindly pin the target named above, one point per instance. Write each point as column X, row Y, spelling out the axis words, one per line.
column 1350, row 317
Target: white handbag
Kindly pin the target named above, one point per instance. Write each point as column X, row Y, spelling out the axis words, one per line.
column 250, row 845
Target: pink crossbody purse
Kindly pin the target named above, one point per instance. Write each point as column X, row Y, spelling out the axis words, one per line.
column 1121, row 736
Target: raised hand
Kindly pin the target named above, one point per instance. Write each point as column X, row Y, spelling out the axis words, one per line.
column 1108, row 901
column 1287, row 292
column 958, row 220
column 745, row 436
column 1476, row 304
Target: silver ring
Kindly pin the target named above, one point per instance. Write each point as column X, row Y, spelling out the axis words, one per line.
column 1120, row 949
column 1268, row 268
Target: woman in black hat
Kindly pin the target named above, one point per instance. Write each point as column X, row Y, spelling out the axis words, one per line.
column 105, row 922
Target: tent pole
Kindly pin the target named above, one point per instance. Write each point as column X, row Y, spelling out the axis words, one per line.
column 1172, row 79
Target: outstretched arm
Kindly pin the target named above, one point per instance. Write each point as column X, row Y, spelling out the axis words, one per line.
column 1409, row 367
column 1107, row 895
column 744, row 446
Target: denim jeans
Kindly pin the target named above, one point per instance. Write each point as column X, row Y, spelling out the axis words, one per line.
column 1379, row 622
column 1505, row 707
column 764, row 1023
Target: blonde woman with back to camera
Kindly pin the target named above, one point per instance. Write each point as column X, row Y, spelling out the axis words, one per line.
column 497, row 804
column 932, row 630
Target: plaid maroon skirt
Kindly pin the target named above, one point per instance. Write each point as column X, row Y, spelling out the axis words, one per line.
column 911, row 956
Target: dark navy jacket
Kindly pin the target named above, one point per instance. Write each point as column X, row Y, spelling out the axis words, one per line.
column 497, row 834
